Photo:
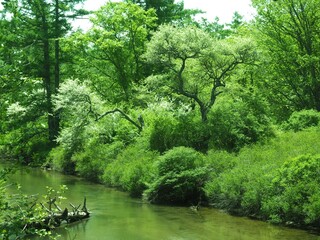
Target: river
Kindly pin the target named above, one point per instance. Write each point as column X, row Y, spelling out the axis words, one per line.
column 117, row 216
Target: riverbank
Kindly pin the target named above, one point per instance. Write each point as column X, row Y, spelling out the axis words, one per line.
column 275, row 181
column 117, row 216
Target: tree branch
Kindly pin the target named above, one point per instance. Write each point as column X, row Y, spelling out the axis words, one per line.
column 139, row 126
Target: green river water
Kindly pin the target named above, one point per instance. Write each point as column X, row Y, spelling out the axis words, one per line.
column 117, row 216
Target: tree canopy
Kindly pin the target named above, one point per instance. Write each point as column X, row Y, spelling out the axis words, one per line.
column 291, row 41
column 155, row 101
column 195, row 65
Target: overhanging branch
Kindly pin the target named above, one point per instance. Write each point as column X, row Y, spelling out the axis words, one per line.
column 137, row 125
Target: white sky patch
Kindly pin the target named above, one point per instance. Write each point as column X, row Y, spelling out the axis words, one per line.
column 223, row 9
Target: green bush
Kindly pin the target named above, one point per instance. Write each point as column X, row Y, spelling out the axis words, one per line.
column 19, row 213
column 241, row 189
column 91, row 162
column 295, row 194
column 302, row 119
column 237, row 122
column 38, row 149
column 60, row 159
column 161, row 137
column 219, row 161
column 243, row 183
column 131, row 170
column 26, row 145
column 180, row 178
column 170, row 131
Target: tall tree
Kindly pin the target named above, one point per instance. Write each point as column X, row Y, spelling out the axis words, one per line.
column 168, row 11
column 222, row 31
column 35, row 29
column 194, row 65
column 289, row 34
column 112, row 48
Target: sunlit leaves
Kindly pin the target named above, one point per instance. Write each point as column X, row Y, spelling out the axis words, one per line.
column 290, row 37
column 23, row 215
column 194, row 64
column 115, row 44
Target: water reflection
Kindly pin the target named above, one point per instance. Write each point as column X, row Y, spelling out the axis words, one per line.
column 117, row 216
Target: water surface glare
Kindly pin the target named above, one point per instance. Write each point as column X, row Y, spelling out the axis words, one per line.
column 117, row 216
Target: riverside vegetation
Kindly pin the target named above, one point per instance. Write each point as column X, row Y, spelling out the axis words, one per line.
column 168, row 108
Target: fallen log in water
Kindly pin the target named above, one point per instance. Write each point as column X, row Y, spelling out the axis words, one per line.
column 58, row 216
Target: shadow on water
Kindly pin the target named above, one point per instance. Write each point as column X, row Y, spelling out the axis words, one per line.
column 117, row 216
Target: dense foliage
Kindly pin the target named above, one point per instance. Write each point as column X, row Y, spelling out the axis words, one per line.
column 179, row 179
column 289, row 38
column 259, row 178
column 169, row 108
column 301, row 120
column 23, row 216
column 295, row 193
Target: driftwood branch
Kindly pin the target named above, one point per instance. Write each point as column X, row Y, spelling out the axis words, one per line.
column 56, row 218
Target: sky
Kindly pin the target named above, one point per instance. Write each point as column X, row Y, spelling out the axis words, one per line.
column 223, row 9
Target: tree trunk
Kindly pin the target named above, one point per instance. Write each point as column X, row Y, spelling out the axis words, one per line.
column 56, row 115
column 204, row 114
column 317, row 96
column 57, row 48
column 52, row 129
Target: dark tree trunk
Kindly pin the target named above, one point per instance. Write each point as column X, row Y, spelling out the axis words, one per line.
column 204, row 115
column 52, row 129
column 317, row 96
column 56, row 117
column 57, row 48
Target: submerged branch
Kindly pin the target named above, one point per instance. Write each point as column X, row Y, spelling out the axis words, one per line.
column 56, row 218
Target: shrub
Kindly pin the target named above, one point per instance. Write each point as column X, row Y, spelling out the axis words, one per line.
column 91, row 162
column 301, row 120
column 169, row 132
column 27, row 145
column 38, row 149
column 219, row 161
column 237, row 122
column 60, row 159
column 180, row 178
column 20, row 213
column 242, row 183
column 131, row 170
column 161, row 137
column 295, row 194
